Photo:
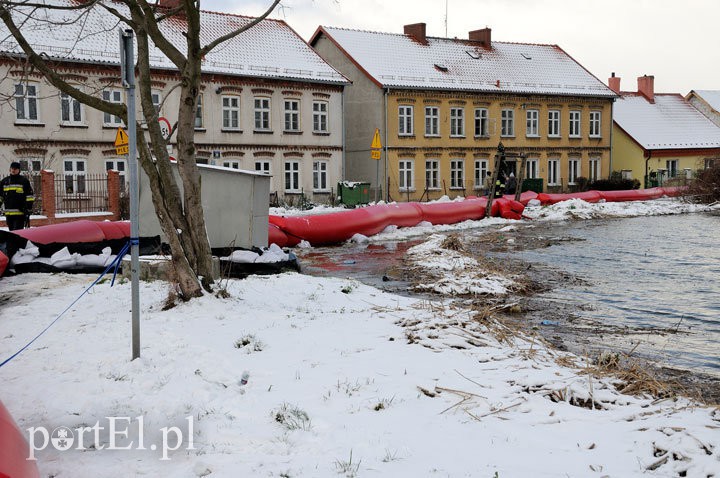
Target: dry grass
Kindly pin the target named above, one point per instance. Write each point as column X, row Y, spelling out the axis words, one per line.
column 453, row 242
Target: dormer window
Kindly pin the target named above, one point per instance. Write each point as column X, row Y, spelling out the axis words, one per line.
column 474, row 54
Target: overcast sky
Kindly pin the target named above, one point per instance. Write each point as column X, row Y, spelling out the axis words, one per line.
column 676, row 41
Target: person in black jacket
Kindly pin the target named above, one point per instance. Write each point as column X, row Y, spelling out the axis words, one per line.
column 17, row 197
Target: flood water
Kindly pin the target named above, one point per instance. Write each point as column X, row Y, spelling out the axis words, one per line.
column 654, row 273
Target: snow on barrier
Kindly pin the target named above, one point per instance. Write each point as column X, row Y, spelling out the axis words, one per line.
column 14, row 450
column 612, row 196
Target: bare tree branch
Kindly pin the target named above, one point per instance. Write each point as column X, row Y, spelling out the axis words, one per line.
column 207, row 48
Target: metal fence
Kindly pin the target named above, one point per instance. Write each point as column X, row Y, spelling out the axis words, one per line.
column 80, row 193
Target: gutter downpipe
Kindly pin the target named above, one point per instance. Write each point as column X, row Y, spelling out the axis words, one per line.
column 344, row 146
column 647, row 160
column 385, row 148
column 612, row 121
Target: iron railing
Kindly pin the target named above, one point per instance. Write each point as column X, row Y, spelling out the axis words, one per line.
column 80, row 193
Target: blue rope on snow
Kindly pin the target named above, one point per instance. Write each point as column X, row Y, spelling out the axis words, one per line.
column 114, row 264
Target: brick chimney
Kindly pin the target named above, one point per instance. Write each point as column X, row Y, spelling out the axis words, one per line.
column 169, row 3
column 614, row 83
column 646, row 87
column 482, row 36
column 417, row 32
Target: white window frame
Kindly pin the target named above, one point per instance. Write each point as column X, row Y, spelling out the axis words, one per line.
column 553, row 172
column 573, row 170
column 671, row 165
column 230, row 105
column 74, row 108
column 75, row 176
column 531, row 168
column 574, row 124
column 532, row 123
column 406, row 175
column 481, row 168
column 199, row 122
column 156, row 96
column 263, row 166
column 321, row 122
column 320, row 176
column 457, row 122
column 405, row 120
column 432, row 121
column 481, row 123
column 432, row 174
column 594, row 169
column 457, row 174
column 112, row 95
column 119, row 165
column 553, row 123
column 291, row 115
column 26, row 102
column 595, row 124
column 31, row 165
column 507, row 123
column 262, row 110
column 292, row 176
column 231, row 163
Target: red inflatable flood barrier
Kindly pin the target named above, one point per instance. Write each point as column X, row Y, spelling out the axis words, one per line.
column 76, row 231
column 587, row 196
column 3, row 265
column 633, row 195
column 453, row 212
column 14, row 450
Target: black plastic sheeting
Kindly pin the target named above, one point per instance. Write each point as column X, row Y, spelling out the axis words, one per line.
column 241, row 270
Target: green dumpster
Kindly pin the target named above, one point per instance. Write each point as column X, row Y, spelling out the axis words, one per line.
column 533, row 184
column 353, row 193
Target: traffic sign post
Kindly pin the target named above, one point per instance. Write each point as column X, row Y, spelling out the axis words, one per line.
column 376, row 154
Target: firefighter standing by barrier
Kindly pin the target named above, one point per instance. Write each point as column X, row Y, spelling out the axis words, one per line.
column 17, row 198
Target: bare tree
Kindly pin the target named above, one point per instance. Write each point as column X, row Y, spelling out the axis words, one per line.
column 180, row 214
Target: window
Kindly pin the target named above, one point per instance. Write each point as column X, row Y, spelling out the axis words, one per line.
column 481, row 167
column 531, row 168
column 230, row 113
column 156, row 101
column 320, row 117
column 112, row 96
column 626, row 173
column 432, row 121
column 532, row 119
column 595, row 120
column 553, row 165
column 457, row 122
column 507, row 123
column 262, row 166
column 262, row 114
column 292, row 115
column 481, row 122
column 574, row 127
column 31, row 165
column 554, row 123
column 71, row 110
column 672, row 167
column 119, row 166
column 432, row 174
column 573, row 170
column 26, row 102
column 320, row 175
column 406, row 180
column 405, row 118
column 199, row 113
column 74, row 170
column 292, row 176
column 457, row 180
column 594, row 169
column 710, row 162
column 231, row 164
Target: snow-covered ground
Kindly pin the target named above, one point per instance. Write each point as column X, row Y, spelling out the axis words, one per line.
column 344, row 380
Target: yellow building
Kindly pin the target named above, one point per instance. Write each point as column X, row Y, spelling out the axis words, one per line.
column 443, row 106
column 660, row 137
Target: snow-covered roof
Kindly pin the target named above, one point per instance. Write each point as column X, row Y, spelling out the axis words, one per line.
column 270, row 49
column 711, row 97
column 670, row 122
column 396, row 60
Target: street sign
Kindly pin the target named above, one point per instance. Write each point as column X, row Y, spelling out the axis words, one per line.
column 121, row 142
column 165, row 127
column 376, row 144
column 375, row 154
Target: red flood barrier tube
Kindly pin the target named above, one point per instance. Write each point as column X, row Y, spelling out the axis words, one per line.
column 76, row 231
column 632, row 195
column 404, row 214
column 335, row 227
column 453, row 212
column 278, row 237
column 510, row 209
column 14, row 450
column 3, row 265
column 587, row 196
column 527, row 196
column 114, row 229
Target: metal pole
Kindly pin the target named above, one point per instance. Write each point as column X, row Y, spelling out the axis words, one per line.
column 127, row 62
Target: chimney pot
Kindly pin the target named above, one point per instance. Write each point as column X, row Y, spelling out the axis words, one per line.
column 483, row 36
column 417, row 32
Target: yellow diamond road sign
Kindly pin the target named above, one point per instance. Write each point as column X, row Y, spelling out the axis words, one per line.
column 121, row 142
column 376, row 144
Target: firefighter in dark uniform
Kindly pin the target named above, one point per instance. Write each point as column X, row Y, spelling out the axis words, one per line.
column 17, row 198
